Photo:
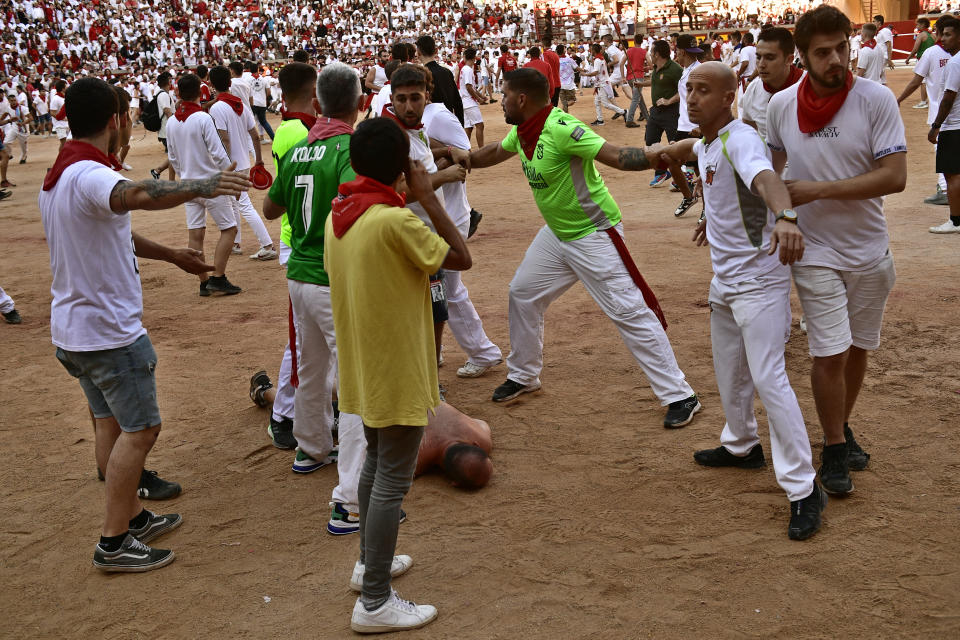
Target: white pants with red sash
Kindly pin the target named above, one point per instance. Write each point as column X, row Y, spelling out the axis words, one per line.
column 552, row 266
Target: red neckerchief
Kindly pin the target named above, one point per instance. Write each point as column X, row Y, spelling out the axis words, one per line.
column 869, row 44
column 60, row 94
column 234, row 101
column 530, row 129
column 307, row 119
column 187, row 109
column 328, row 128
column 388, row 112
column 792, row 78
column 115, row 163
column 813, row 111
column 354, row 198
column 73, row 151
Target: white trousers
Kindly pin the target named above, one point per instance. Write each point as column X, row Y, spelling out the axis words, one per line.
column 600, row 99
column 464, row 322
column 746, row 330
column 6, row 302
column 317, row 369
column 243, row 208
column 283, row 405
column 548, row 269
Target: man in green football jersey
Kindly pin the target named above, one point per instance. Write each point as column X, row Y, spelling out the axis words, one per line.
column 582, row 240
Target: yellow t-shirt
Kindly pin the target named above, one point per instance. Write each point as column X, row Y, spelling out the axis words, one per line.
column 382, row 314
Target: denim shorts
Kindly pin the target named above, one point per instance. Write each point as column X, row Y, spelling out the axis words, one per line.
column 118, row 382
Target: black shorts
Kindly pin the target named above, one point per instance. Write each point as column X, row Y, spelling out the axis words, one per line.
column 164, row 142
column 948, row 152
column 555, row 98
column 438, row 295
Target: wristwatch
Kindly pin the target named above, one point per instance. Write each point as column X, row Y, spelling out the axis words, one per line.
column 787, row 214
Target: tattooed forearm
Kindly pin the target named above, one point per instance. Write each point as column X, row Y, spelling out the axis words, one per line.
column 633, row 159
column 159, row 194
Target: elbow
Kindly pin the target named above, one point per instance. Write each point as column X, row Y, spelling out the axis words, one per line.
column 899, row 183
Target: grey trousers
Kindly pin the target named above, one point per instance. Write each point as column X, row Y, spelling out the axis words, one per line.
column 386, row 477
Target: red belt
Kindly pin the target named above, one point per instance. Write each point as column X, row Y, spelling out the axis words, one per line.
column 648, row 296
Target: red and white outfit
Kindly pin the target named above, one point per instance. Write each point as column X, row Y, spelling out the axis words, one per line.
column 471, row 109
column 932, row 68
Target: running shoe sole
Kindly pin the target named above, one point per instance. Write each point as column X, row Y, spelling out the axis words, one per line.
column 109, row 568
column 530, row 388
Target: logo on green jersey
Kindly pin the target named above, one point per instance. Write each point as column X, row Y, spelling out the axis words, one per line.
column 534, row 177
column 308, row 153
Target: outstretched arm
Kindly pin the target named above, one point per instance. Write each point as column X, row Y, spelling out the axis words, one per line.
column 487, row 156
column 915, row 82
column 155, row 195
column 641, row 159
column 190, row 260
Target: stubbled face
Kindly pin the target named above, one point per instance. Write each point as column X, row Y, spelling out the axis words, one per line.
column 771, row 63
column 950, row 40
column 408, row 104
column 512, row 103
column 827, row 59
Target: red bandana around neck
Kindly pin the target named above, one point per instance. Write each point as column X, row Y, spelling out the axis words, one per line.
column 356, row 197
column 73, row 151
column 187, row 109
column 307, row 119
column 530, row 129
column 325, row 128
column 815, row 112
column 792, row 78
column 388, row 112
column 235, row 102
column 869, row 44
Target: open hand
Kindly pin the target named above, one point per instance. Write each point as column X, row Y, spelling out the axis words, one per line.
column 190, row 261
column 229, row 183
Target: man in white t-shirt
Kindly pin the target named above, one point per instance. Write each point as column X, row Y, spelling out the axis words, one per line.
column 568, row 85
column 259, row 86
column 837, row 188
column 165, row 109
column 884, row 40
column 615, row 54
column 60, row 125
column 870, row 60
column 775, row 72
column 602, row 89
column 97, row 307
column 945, row 133
column 238, row 131
column 747, row 59
column 196, row 152
column 931, row 68
column 470, row 94
column 750, row 293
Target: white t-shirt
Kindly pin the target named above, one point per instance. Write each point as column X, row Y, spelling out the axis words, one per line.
column 951, row 82
column 738, row 222
column 41, row 106
column 613, row 51
column 683, row 122
column 443, row 126
column 932, row 66
column 849, row 235
column 748, row 54
column 871, row 61
column 238, row 131
column 567, row 68
column 97, row 299
column 56, row 103
column 753, row 105
column 258, row 90
column 241, row 88
column 420, row 150
column 467, row 76
column 382, row 99
column 164, row 101
column 883, row 36
column 194, row 147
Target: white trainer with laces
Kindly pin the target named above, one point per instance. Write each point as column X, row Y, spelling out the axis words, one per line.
column 264, row 254
column 400, row 565
column 471, row 370
column 946, row 227
column 395, row 614
column 920, row 105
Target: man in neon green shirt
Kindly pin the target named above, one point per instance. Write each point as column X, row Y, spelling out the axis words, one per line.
column 582, row 240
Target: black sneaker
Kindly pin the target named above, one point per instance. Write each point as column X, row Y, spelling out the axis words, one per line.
column 857, row 458
column 834, row 473
column 203, row 289
column 510, row 390
column 616, row 115
column 631, row 124
column 220, row 284
column 155, row 174
column 156, row 526
column 475, row 218
column 596, row 123
column 132, row 557
column 12, row 317
column 805, row 516
column 721, row 457
column 685, row 206
column 259, row 382
column 681, row 412
column 281, row 433
column 153, row 487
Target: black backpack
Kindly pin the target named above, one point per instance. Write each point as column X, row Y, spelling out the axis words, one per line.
column 150, row 115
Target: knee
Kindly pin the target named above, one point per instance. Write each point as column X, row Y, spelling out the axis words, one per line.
column 145, row 438
column 830, row 365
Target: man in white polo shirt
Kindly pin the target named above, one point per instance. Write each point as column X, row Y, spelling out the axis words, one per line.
column 945, row 133
column 845, row 143
column 60, row 126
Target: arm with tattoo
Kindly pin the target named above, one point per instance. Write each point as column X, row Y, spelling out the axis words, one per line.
column 628, row 158
column 155, row 195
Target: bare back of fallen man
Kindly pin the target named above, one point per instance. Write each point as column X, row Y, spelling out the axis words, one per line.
column 458, row 445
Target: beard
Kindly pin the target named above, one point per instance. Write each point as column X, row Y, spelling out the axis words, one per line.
column 833, row 81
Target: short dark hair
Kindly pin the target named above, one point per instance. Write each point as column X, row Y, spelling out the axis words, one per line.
column 453, row 464
column 869, row 29
column 220, row 78
column 399, row 51
column 504, row 48
column 878, row 18
column 781, row 36
column 250, row 65
column 188, row 87
column 923, row 22
column 529, row 81
column 735, row 35
column 662, row 49
column 297, row 80
column 533, row 52
column 379, row 149
column 90, row 103
column 824, row 19
column 123, row 100
column 411, row 75
column 164, row 78
column 427, row 45
column 236, row 67
column 202, row 71
column 390, row 67
column 946, row 22
column 62, row 84
column 300, row 56
column 748, row 38
column 470, row 53
column 560, row 49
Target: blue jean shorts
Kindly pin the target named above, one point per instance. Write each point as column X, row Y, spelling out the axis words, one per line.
column 118, row 382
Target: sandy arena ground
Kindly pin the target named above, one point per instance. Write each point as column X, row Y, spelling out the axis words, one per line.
column 597, row 519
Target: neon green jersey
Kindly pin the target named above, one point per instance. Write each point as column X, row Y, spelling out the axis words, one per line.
column 289, row 133
column 571, row 195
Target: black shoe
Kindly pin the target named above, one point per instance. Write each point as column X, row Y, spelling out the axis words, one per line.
column 155, row 174
column 680, row 413
column 12, row 317
column 132, row 557
column 596, row 123
column 4, row 194
column 510, row 390
column 684, row 206
column 616, row 115
column 220, row 284
column 632, row 125
column 156, row 526
column 259, row 382
column 805, row 516
column 23, row 161
column 153, row 487
column 203, row 289
column 834, row 473
column 281, row 433
column 475, row 218
column 857, row 458
column 721, row 457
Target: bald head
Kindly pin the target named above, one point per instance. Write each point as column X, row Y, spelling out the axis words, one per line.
column 716, row 74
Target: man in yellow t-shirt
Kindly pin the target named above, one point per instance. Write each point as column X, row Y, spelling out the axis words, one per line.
column 378, row 256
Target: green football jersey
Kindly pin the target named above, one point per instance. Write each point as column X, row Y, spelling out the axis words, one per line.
column 306, row 186
column 289, row 133
column 567, row 187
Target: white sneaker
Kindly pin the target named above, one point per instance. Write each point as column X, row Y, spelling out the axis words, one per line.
column 127, row 167
column 401, row 564
column 264, row 254
column 920, row 105
column 471, row 370
column 395, row 615
column 946, row 227
column 803, row 324
column 237, row 251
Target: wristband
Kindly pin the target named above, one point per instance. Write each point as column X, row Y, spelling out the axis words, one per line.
column 935, row 125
